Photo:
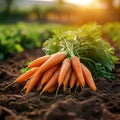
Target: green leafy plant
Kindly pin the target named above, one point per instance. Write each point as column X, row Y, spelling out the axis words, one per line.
column 16, row 38
column 88, row 45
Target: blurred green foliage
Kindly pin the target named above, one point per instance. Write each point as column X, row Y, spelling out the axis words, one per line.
column 112, row 30
column 14, row 38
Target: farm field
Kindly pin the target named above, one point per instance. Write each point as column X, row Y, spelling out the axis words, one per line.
column 85, row 104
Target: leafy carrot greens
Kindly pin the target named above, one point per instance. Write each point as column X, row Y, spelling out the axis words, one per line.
column 88, row 45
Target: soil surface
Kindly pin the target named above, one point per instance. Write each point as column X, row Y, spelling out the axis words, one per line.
column 104, row 104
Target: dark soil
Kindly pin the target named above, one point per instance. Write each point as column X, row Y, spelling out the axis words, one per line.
column 104, row 104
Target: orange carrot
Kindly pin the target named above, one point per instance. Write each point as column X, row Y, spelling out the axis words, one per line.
column 77, row 85
column 65, row 82
column 88, row 77
column 72, row 79
column 39, row 61
column 53, row 88
column 66, row 64
column 26, row 85
column 34, row 80
column 52, row 82
column 77, row 69
column 26, row 75
column 46, row 76
column 54, row 60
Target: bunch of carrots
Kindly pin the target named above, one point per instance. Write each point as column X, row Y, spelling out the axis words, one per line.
column 49, row 72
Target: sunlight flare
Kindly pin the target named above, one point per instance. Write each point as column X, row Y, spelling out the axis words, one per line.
column 81, row 2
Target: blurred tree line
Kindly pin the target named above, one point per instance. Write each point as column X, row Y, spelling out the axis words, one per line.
column 61, row 12
column 6, row 6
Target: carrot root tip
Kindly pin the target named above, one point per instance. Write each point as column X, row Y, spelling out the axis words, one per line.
column 70, row 90
column 76, row 90
column 64, row 89
column 38, row 89
column 23, row 89
column 41, row 92
column 81, row 87
column 57, row 91
column 10, row 84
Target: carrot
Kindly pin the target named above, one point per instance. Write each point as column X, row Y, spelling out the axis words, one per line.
column 53, row 88
column 26, row 85
column 66, row 64
column 73, row 79
column 46, row 76
column 39, row 61
column 23, row 77
column 77, row 69
column 34, row 80
column 52, row 82
column 54, row 60
column 77, row 83
column 88, row 77
column 65, row 82
column 26, row 75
